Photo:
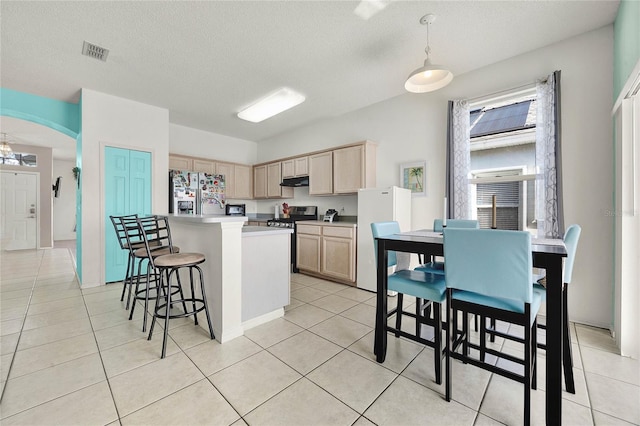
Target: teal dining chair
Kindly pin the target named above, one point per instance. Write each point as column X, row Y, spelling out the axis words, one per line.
column 571, row 237
column 437, row 267
column 489, row 274
column 427, row 288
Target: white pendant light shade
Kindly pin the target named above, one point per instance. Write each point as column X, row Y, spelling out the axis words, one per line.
column 428, row 78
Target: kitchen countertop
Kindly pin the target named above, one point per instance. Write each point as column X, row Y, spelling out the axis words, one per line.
column 258, row 231
column 319, row 222
column 207, row 218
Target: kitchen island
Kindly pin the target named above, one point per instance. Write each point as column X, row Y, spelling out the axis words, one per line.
column 246, row 271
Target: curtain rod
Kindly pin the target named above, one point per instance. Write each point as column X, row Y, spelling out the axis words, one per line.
column 503, row 93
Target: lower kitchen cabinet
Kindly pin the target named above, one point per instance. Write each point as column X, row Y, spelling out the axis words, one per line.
column 327, row 251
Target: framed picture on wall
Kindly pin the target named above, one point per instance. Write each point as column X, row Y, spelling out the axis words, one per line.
column 413, row 176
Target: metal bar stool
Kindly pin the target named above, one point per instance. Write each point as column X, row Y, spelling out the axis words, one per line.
column 148, row 237
column 121, row 234
column 166, row 266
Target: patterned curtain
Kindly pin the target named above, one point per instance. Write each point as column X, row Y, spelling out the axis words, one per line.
column 458, row 161
column 549, row 215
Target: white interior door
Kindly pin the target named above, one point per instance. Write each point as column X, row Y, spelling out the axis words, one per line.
column 19, row 211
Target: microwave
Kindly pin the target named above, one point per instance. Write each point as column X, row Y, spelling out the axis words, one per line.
column 234, row 209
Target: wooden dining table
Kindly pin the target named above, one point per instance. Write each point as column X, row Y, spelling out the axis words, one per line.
column 547, row 254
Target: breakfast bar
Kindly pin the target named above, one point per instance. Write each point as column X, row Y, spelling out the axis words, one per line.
column 236, row 257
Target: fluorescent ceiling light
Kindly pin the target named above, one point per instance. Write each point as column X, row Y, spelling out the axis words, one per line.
column 273, row 104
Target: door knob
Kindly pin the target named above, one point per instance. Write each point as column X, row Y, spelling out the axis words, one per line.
column 32, row 210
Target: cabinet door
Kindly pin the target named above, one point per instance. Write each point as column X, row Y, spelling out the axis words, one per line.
column 301, row 166
column 288, row 169
column 242, row 182
column 274, row 178
column 204, row 166
column 348, row 170
column 321, row 174
column 308, row 252
column 260, row 182
column 227, row 170
column 180, row 163
column 338, row 258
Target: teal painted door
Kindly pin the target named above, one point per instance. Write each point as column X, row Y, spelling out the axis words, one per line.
column 127, row 191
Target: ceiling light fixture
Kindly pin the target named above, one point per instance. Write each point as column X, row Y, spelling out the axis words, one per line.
column 428, row 77
column 5, row 148
column 271, row 105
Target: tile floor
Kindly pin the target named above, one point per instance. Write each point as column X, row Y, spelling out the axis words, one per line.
column 79, row 361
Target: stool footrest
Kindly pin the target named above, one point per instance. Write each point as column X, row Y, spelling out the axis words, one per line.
column 181, row 315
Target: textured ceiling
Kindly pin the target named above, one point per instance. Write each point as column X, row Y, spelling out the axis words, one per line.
column 205, row 60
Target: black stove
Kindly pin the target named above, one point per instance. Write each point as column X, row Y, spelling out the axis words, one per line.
column 296, row 214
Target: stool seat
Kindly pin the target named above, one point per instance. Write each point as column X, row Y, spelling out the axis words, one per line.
column 179, row 259
column 142, row 252
column 140, row 244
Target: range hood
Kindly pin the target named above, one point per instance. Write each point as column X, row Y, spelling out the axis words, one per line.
column 296, row 182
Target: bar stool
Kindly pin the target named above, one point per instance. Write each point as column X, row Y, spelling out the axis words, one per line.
column 148, row 238
column 121, row 234
column 166, row 266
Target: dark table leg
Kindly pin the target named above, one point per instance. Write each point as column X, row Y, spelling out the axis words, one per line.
column 380, row 342
column 554, row 340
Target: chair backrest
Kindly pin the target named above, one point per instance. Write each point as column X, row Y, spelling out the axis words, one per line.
column 121, row 232
column 455, row 223
column 490, row 262
column 571, row 237
column 383, row 229
column 152, row 232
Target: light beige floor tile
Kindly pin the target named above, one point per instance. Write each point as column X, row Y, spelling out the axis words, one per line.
column 239, row 422
column 333, row 303
column 9, row 343
column 363, row 421
column 483, row 420
column 352, row 379
column 15, row 312
column 10, row 326
column 307, row 315
column 134, row 354
column 304, row 351
column 329, row 286
column 356, row 294
column 56, row 317
column 91, row 405
column 308, row 294
column 340, row 330
column 605, row 419
column 296, row 286
column 293, row 303
column 468, row 383
column 302, row 403
column 49, row 296
column 597, row 338
column 122, row 333
column 254, row 380
column 56, row 305
column 211, row 356
column 97, row 307
column 189, row 335
column 198, row 404
column 272, row 332
column 16, row 285
column 15, row 296
column 42, row 386
column 5, row 366
column 361, row 313
column 115, row 287
column 400, row 352
column 611, row 365
column 408, row 403
column 106, row 292
column 48, row 355
column 112, row 318
column 52, row 333
column 140, row 387
column 613, row 397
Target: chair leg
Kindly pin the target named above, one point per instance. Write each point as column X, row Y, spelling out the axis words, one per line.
column 155, row 310
column 206, row 306
column 399, row 314
column 437, row 331
column 193, row 296
column 567, row 359
column 492, row 337
column 126, row 279
column 146, row 296
column 534, row 355
column 135, row 292
column 166, row 317
column 465, row 333
column 483, row 336
column 527, row 372
column 447, row 353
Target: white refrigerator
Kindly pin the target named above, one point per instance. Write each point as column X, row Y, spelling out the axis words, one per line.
column 378, row 205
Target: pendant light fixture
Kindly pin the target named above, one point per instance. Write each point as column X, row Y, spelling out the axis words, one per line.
column 5, row 148
column 428, row 77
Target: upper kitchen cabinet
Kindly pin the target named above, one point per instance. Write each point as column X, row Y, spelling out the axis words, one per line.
column 260, row 181
column 204, row 166
column 227, row 169
column 180, row 163
column 242, row 182
column 274, row 179
column 321, row 173
column 295, row 167
column 354, row 167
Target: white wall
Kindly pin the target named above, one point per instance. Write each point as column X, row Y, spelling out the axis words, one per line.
column 199, row 143
column 111, row 121
column 412, row 127
column 64, row 207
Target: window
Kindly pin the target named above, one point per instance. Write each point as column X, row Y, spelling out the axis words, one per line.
column 20, row 159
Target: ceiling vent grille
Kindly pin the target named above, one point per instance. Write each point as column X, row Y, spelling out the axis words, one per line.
column 94, row 51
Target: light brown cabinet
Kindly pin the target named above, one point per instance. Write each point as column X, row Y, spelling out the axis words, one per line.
column 260, row 181
column 321, row 174
column 328, row 251
column 266, row 182
column 180, row 163
column 295, row 167
column 354, row 168
column 242, row 179
column 204, row 166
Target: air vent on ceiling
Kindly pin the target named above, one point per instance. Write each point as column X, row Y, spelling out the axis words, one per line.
column 94, row 51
